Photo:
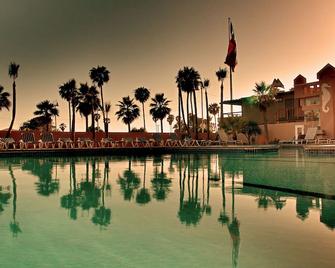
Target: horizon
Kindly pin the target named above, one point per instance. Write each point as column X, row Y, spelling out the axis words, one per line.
column 146, row 43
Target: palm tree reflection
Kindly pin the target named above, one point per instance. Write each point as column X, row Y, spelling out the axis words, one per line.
column 143, row 195
column 190, row 211
column 14, row 224
column 160, row 182
column 46, row 185
column 129, row 182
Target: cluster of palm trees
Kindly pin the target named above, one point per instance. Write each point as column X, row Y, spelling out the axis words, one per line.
column 86, row 99
column 89, row 101
column 189, row 81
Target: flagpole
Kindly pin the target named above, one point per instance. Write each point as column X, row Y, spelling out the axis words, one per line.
column 230, row 73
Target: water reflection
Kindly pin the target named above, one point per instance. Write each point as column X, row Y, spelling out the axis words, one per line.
column 87, row 188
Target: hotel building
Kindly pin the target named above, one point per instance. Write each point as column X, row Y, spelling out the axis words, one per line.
column 307, row 104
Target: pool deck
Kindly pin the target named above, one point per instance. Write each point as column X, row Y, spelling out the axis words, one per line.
column 139, row 150
column 317, row 149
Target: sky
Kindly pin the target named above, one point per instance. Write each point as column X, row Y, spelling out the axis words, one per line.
column 146, row 42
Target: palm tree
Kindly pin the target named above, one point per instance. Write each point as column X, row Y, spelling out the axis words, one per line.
column 93, row 100
column 214, row 110
column 108, row 107
column 188, row 80
column 62, row 127
column 251, row 129
column 100, row 76
column 205, row 86
column 265, row 96
column 142, row 94
column 159, row 108
column 13, row 73
column 84, row 107
column 4, row 99
column 46, row 110
column 128, row 111
column 221, row 75
column 170, row 120
column 68, row 92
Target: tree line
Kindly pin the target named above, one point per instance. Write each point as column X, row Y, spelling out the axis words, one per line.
column 88, row 100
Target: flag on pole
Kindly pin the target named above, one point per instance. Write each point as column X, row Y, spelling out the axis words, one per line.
column 231, row 54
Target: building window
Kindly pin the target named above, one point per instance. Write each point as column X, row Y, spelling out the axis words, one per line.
column 312, row 101
column 312, row 115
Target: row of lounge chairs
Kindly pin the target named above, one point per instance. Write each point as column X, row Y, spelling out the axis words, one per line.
column 47, row 141
column 311, row 137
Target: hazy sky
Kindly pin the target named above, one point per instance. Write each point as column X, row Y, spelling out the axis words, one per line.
column 145, row 43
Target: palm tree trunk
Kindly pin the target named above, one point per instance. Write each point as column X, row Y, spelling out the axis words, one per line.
column 179, row 115
column 182, row 110
column 13, row 111
column 93, row 124
column 192, row 114
column 70, row 124
column 265, row 121
column 187, row 109
column 202, row 104
column 103, row 110
column 207, row 114
column 196, row 115
column 128, row 127
column 73, row 122
column 143, row 115
column 86, row 122
column 221, row 103
column 162, row 126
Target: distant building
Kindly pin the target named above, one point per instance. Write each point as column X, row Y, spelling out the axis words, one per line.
column 307, row 104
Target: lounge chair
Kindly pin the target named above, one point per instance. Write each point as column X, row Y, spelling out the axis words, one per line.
column 143, row 142
column 157, row 140
column 67, row 142
column 107, row 142
column 85, row 142
column 173, row 140
column 127, row 142
column 26, row 139
column 188, row 141
column 308, row 138
column 7, row 142
column 46, row 140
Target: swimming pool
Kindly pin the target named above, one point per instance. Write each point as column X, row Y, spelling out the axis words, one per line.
column 182, row 210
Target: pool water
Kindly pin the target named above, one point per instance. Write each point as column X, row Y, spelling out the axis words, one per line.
column 183, row 210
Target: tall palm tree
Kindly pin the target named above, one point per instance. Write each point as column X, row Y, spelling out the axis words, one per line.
column 100, row 76
column 214, row 110
column 159, row 108
column 170, row 120
column 142, row 94
column 265, row 96
column 205, row 86
column 93, row 100
column 67, row 92
column 221, row 75
column 4, row 99
column 128, row 111
column 13, row 72
column 108, row 107
column 46, row 110
column 188, row 80
column 83, row 107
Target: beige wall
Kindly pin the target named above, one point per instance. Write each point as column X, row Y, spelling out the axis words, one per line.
column 283, row 131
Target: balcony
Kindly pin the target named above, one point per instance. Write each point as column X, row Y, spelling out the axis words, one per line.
column 290, row 115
